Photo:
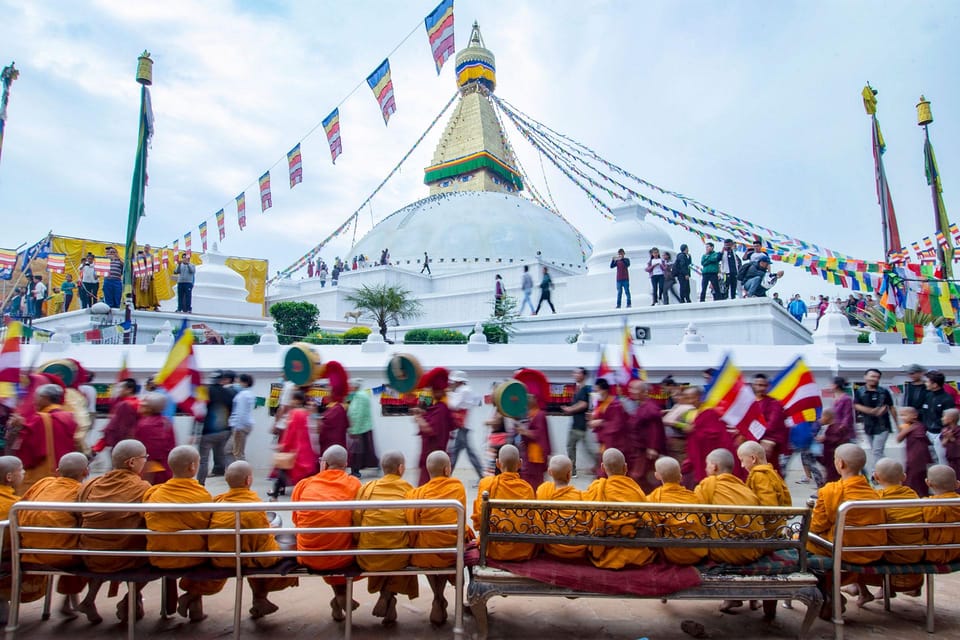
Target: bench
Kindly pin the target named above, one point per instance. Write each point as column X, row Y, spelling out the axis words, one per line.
column 781, row 574
column 833, row 565
column 287, row 567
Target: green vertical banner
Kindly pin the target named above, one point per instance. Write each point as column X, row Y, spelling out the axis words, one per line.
column 138, row 187
column 940, row 211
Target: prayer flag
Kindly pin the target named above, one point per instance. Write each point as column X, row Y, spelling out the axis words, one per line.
column 188, row 242
column 56, row 263
column 10, row 355
column 203, row 235
column 179, row 375
column 221, row 224
column 891, row 237
column 939, row 208
column 124, row 371
column 941, row 239
column 295, row 163
column 101, row 265
column 265, row 200
column 242, row 210
column 139, row 187
column 382, row 86
column 603, row 369
column 630, row 366
column 955, row 232
column 797, row 390
column 176, row 247
column 331, row 126
column 439, row 26
column 927, row 242
column 735, row 401
column 8, row 259
column 165, row 258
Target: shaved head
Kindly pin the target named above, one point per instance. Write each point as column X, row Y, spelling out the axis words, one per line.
column 561, row 470
column 335, row 457
column 438, row 464
column 238, row 475
column 391, row 461
column 10, row 466
column 614, row 463
column 125, row 450
column 940, row 478
column 908, row 414
column 183, row 461
column 668, row 469
column 722, row 459
column 888, row 471
column 752, row 449
column 950, row 416
column 854, row 458
column 509, row 458
column 73, row 465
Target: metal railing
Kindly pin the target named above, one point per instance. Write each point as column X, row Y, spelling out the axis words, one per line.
column 238, row 532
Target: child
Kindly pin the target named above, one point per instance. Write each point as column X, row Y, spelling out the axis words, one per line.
column 672, row 492
column 942, row 481
column 950, row 437
column 55, row 302
column 918, row 448
column 832, row 435
column 68, row 287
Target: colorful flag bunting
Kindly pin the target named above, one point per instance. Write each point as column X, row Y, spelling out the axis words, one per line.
column 955, row 232
column 295, row 163
column 56, row 263
column 221, row 224
column 101, row 265
column 941, row 239
column 382, row 86
column 331, row 126
column 188, row 242
column 242, row 210
column 265, row 199
column 797, row 390
column 203, row 235
column 179, row 375
column 439, row 26
column 735, row 401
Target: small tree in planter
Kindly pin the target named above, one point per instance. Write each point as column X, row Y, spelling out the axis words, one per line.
column 294, row 320
column 385, row 304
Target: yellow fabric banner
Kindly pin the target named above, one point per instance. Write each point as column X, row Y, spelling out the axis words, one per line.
column 254, row 274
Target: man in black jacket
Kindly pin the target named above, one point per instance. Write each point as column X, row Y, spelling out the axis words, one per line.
column 681, row 271
column 216, row 427
column 936, row 402
column 915, row 389
column 729, row 267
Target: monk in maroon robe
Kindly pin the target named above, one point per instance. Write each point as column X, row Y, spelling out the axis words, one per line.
column 610, row 421
column 157, row 435
column 649, row 436
column 709, row 432
column 914, row 434
column 123, row 415
column 333, row 425
column 776, row 438
column 45, row 437
column 535, row 444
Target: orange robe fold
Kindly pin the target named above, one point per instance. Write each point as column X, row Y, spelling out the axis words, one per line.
column 824, row 520
column 943, row 536
column 676, row 525
column 180, row 491
column 506, row 486
column 119, row 486
column 771, row 491
column 441, row 488
column 389, row 487
column 902, row 537
column 51, row 489
column 616, row 489
column 33, row 587
column 562, row 521
column 727, row 488
column 332, row 485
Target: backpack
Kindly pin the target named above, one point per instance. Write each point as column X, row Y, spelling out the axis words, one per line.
column 743, row 271
column 681, row 265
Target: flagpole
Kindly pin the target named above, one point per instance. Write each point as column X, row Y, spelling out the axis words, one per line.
column 145, row 79
column 7, row 76
column 944, row 253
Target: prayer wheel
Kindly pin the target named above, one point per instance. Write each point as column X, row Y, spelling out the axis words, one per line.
column 403, row 372
column 536, row 384
column 66, row 370
column 301, row 364
column 510, row 398
column 924, row 114
column 145, row 69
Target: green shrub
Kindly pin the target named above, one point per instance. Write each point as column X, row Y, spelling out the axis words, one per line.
column 863, row 337
column 355, row 335
column 322, row 337
column 496, row 333
column 434, row 336
column 246, row 338
column 294, row 320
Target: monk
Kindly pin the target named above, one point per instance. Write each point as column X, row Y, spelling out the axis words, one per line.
column 833, row 433
column 332, row 484
column 722, row 487
column 535, row 437
column 156, row 433
column 950, row 437
column 776, row 437
column 391, row 486
column 764, row 481
column 649, row 436
column 708, row 432
column 942, row 481
column 914, row 432
column 508, row 485
column 11, row 478
column 617, row 486
column 440, row 487
column 123, row 414
column 334, row 424
column 239, row 477
column 609, row 420
column 121, row 485
column 675, row 525
column 182, row 488
column 562, row 521
column 72, row 471
column 45, row 436
column 434, row 425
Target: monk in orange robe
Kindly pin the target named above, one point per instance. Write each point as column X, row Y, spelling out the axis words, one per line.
column 617, row 486
column 440, row 487
column 942, row 481
column 508, row 485
column 332, row 484
column 239, row 477
column 391, row 486
column 535, row 436
column 182, row 488
column 11, row 478
column 722, row 487
column 73, row 470
column 125, row 486
column 562, row 521
column 764, row 480
column 669, row 525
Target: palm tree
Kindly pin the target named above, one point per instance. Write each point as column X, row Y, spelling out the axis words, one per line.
column 385, row 304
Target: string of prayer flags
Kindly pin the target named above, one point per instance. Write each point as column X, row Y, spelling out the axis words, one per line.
column 265, row 200
column 382, row 85
column 242, row 210
column 955, row 232
column 221, row 224
column 331, row 126
column 295, row 162
column 56, row 263
column 439, row 26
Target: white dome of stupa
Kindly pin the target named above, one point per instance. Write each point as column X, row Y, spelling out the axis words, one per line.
column 632, row 232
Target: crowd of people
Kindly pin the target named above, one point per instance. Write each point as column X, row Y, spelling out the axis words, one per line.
column 322, row 271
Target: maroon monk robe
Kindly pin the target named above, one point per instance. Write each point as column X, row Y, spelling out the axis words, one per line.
column 774, row 418
column 440, row 425
column 536, row 450
column 157, row 435
column 614, row 433
column 646, row 428
column 333, row 426
column 30, row 444
column 123, row 421
column 834, row 435
column 950, row 437
column 918, row 457
column 708, row 432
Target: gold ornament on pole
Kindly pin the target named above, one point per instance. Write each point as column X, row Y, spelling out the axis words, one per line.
column 924, row 115
column 145, row 69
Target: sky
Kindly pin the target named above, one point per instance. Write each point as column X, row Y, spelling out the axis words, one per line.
column 751, row 107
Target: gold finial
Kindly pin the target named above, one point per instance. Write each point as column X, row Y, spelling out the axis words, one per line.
column 924, row 115
column 145, row 68
column 869, row 99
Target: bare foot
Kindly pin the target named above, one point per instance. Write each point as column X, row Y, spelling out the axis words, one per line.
column 89, row 609
column 865, row 597
column 438, row 612
column 729, row 605
column 262, row 607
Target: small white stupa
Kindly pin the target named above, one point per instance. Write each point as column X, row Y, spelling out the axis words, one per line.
column 219, row 290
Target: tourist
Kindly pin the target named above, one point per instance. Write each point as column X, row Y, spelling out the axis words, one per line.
column 797, row 308
column 577, row 409
column 309, row 268
column 681, row 270
column 216, row 425
column 622, row 264
column 363, row 454
column 323, row 273
column 546, row 287
column 669, row 279
column 295, row 439
column 15, row 308
column 915, row 389
column 67, row 287
column 241, row 420
column 426, row 264
column 935, row 403
column 113, row 281
column 874, row 404
column 755, row 252
column 508, row 485
column 822, row 306
column 710, row 269
column 914, row 433
column 729, row 267
column 39, row 295
column 44, row 433
column 777, row 299
column 384, row 256
column 655, row 269
column 460, row 398
column 335, row 274
column 526, row 284
column 89, row 282
column 185, row 273
column 759, row 279
column 499, row 293
column 556, row 521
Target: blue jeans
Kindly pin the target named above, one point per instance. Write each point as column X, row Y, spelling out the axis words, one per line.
column 623, row 285
column 112, row 290
column 526, row 301
column 753, row 288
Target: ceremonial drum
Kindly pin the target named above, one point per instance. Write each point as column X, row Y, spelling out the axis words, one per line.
column 66, row 370
column 403, row 372
column 301, row 364
column 510, row 399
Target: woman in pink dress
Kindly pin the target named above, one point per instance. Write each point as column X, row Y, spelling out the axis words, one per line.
column 295, row 439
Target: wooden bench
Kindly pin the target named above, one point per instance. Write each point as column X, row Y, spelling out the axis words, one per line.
column 831, row 564
column 782, row 574
column 287, row 567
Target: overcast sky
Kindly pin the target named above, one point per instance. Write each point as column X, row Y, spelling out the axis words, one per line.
column 752, row 107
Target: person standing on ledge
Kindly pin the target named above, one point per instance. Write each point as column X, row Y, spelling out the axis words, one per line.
column 426, row 264
column 710, row 268
column 527, row 285
column 546, row 286
column 621, row 263
column 113, row 282
column 185, row 273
